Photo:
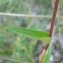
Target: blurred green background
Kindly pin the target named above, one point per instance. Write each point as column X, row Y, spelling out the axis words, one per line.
column 19, row 49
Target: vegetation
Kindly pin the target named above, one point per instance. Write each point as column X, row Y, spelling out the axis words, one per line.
column 16, row 48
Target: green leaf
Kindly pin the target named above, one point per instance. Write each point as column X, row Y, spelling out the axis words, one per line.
column 47, row 55
column 30, row 33
column 47, row 40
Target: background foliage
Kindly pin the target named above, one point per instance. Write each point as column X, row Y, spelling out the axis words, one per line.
column 19, row 49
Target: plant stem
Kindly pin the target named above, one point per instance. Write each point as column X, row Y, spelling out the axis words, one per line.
column 43, row 53
column 53, row 18
column 51, row 29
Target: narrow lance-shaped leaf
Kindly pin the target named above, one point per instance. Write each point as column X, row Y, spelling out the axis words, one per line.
column 30, row 33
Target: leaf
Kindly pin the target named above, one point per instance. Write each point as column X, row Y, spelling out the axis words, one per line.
column 47, row 40
column 30, row 33
column 47, row 55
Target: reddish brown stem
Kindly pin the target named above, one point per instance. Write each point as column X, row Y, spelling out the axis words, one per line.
column 43, row 53
column 51, row 29
column 54, row 17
